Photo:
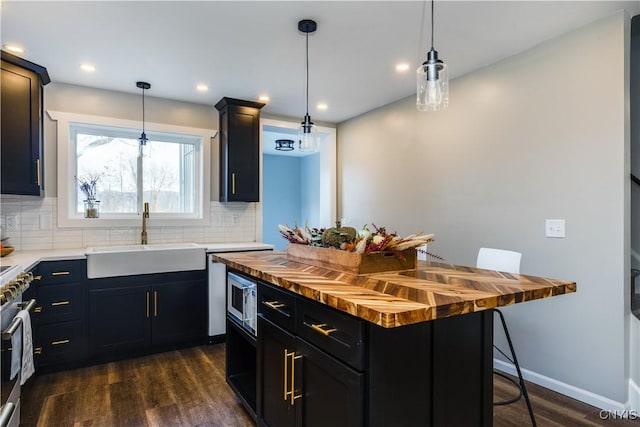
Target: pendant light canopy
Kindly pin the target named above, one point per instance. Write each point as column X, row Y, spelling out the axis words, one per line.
column 433, row 80
column 143, row 136
column 307, row 130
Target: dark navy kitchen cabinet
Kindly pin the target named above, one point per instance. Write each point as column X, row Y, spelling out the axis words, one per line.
column 21, row 100
column 239, row 150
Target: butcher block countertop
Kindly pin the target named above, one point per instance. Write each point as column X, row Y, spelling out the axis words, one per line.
column 392, row 299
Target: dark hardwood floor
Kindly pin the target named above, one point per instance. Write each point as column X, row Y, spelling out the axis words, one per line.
column 187, row 388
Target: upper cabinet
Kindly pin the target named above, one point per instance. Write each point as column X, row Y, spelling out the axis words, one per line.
column 21, row 107
column 239, row 150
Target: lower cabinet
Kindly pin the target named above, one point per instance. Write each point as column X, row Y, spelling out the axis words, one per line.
column 58, row 319
column 129, row 315
column 302, row 384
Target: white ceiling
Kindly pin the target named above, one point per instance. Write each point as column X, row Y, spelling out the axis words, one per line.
column 244, row 49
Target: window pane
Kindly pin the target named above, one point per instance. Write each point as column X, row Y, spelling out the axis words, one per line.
column 168, row 175
column 114, row 161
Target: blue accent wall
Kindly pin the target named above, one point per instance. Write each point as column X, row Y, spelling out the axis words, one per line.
column 310, row 189
column 281, row 191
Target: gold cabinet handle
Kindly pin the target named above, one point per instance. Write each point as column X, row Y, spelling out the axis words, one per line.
column 155, row 303
column 284, row 377
column 60, row 342
column 38, row 172
column 38, row 277
column 319, row 328
column 292, row 393
column 60, row 273
column 37, row 310
column 233, row 183
column 274, row 304
column 147, row 304
column 57, row 303
column 37, row 351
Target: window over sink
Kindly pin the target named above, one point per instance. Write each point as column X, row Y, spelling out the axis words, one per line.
column 171, row 177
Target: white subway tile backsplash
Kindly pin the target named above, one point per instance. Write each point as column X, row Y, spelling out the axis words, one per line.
column 36, row 227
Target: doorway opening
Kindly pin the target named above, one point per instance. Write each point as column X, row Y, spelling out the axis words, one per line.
column 297, row 188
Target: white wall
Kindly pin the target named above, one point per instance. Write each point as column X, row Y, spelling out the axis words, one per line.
column 539, row 135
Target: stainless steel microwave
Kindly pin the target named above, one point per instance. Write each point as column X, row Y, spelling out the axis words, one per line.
column 241, row 301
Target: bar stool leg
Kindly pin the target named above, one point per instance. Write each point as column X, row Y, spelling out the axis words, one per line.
column 523, row 388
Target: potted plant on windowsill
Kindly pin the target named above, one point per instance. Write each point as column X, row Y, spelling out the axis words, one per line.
column 88, row 187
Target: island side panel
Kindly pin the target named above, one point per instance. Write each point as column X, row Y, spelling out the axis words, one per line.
column 435, row 373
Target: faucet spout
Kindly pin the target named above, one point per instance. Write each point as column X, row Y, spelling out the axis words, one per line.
column 145, row 216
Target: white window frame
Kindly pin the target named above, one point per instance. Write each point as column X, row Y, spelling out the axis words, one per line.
column 67, row 184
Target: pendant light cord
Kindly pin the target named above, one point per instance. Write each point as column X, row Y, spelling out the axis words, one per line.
column 307, row 66
column 432, row 1
column 143, row 110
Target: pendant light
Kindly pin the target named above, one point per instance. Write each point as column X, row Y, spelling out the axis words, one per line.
column 433, row 80
column 307, row 130
column 142, row 147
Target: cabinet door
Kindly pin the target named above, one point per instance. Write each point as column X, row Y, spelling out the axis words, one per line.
column 119, row 320
column 244, row 156
column 20, row 132
column 58, row 343
column 332, row 393
column 179, row 312
column 274, row 347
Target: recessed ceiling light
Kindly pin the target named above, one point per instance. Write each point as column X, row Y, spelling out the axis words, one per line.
column 13, row 48
column 322, row 106
column 202, row 88
column 263, row 98
column 87, row 67
column 402, row 67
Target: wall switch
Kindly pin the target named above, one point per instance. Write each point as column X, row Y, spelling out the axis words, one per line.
column 11, row 222
column 554, row 228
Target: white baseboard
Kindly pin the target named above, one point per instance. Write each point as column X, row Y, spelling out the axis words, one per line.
column 634, row 396
column 566, row 389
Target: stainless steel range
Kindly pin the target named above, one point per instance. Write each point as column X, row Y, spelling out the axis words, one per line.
column 13, row 282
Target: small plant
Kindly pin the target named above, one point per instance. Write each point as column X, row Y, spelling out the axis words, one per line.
column 88, row 185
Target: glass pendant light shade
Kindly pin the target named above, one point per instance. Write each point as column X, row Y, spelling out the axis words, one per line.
column 307, row 137
column 433, row 84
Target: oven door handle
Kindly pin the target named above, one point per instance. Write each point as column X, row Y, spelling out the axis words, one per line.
column 7, row 412
column 13, row 327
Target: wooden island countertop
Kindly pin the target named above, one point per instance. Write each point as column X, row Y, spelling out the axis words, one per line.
column 391, row 299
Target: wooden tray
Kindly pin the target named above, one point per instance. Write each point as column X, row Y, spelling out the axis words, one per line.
column 351, row 262
column 6, row 250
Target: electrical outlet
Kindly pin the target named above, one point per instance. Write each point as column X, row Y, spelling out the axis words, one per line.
column 554, row 228
column 235, row 219
column 11, row 222
column 45, row 222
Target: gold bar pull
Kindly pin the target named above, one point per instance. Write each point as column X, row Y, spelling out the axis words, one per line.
column 325, row 332
column 233, row 183
column 54, row 304
column 274, row 304
column 37, row 351
column 147, row 304
column 60, row 342
column 292, row 393
column 38, row 172
column 155, row 303
column 284, row 379
column 37, row 310
column 60, row 273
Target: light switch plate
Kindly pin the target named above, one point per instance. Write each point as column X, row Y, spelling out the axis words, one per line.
column 554, row 228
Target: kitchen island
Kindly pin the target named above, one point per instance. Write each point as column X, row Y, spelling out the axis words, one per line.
column 401, row 348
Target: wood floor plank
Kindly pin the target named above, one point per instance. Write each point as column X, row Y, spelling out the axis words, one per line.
column 188, row 388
